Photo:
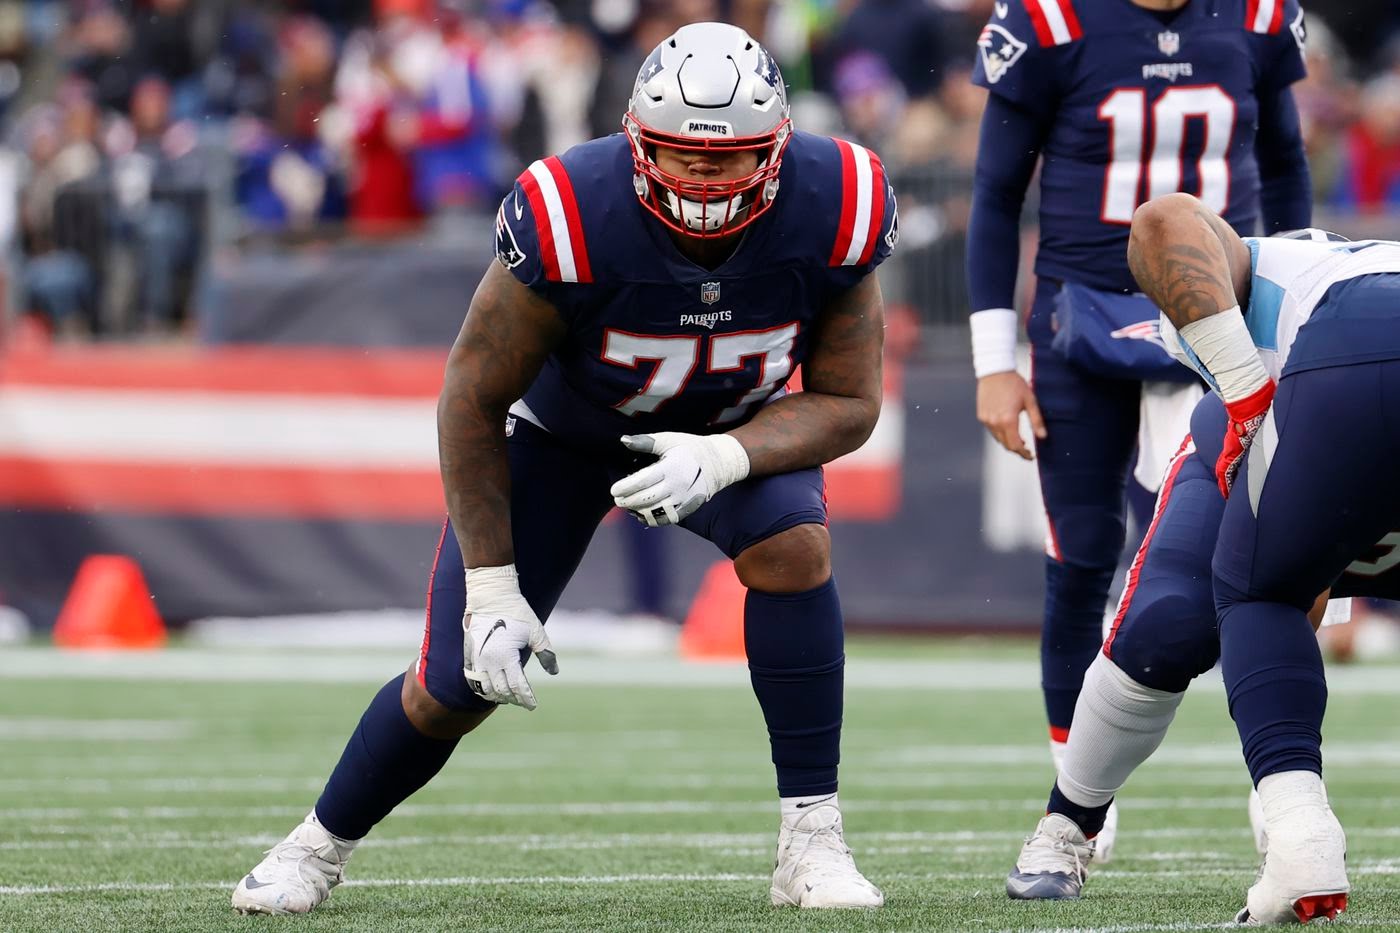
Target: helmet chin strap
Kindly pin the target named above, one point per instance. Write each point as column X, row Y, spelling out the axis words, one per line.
column 704, row 216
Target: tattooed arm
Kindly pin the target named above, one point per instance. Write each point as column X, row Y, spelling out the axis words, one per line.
column 508, row 333
column 1187, row 260
column 841, row 382
column 1196, row 270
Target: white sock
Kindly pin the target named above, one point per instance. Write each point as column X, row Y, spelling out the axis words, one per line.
column 1057, row 754
column 343, row 847
column 1287, row 790
column 794, row 808
column 1118, row 724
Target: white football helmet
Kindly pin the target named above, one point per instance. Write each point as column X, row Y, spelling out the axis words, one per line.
column 708, row 87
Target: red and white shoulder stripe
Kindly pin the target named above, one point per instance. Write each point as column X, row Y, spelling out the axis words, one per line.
column 862, row 205
column 1264, row 16
column 1054, row 21
column 558, row 223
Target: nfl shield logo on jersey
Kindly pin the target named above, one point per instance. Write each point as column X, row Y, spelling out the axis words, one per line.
column 1169, row 42
column 709, row 292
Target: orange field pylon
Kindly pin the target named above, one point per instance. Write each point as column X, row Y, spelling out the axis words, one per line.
column 714, row 626
column 109, row 606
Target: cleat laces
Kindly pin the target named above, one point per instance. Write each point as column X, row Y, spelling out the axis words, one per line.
column 1050, row 853
column 298, row 856
column 821, row 853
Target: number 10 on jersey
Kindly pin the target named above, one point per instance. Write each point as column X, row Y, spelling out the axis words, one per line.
column 1128, row 116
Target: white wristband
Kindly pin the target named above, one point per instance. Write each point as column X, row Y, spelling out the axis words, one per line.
column 1222, row 344
column 496, row 591
column 993, row 341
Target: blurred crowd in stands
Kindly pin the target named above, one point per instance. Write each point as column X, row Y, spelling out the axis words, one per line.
column 131, row 127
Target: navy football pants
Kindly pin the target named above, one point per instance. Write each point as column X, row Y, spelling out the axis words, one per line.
column 1316, row 492
column 1164, row 632
column 1084, row 463
column 559, row 495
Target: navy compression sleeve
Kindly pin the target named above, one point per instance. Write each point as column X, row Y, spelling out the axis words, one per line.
column 1285, row 187
column 1006, row 155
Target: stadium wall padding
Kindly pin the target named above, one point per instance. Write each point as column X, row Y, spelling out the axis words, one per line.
column 269, row 481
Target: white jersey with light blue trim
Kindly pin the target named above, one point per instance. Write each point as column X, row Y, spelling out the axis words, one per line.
column 1289, row 275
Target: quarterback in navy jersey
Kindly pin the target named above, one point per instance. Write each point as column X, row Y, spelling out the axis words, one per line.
column 653, row 293
column 1118, row 101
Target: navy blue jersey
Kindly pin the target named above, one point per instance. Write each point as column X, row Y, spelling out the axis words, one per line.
column 656, row 342
column 1135, row 107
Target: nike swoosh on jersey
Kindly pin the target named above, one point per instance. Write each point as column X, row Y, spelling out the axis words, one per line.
column 1001, row 9
column 519, row 211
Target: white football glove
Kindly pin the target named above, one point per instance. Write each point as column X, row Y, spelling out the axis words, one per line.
column 501, row 632
column 692, row 468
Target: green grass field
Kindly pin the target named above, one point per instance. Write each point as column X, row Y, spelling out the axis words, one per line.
column 136, row 792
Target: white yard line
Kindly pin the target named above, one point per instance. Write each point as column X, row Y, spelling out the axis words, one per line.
column 757, row 781
column 47, row 729
column 485, row 881
column 565, row 841
column 868, row 842
column 223, row 665
column 1171, row 757
column 630, row 808
column 467, row 881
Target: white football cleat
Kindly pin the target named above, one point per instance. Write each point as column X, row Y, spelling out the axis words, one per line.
column 1052, row 863
column 1107, row 837
column 1256, row 823
column 1304, row 876
column 814, row 867
column 296, row 876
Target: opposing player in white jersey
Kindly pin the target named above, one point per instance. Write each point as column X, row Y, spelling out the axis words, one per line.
column 1321, row 321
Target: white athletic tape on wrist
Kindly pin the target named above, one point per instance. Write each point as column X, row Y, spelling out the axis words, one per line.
column 1222, row 344
column 495, row 591
column 993, row 341
column 727, row 460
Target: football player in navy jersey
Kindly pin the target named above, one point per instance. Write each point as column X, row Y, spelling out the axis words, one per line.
column 654, row 291
column 1118, row 101
column 1282, row 491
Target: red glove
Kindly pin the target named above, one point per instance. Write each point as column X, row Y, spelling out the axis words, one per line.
column 1245, row 416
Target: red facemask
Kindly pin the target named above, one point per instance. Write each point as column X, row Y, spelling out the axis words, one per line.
column 706, row 209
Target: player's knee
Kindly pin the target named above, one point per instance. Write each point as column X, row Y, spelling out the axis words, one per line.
column 1166, row 642
column 791, row 561
column 434, row 719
